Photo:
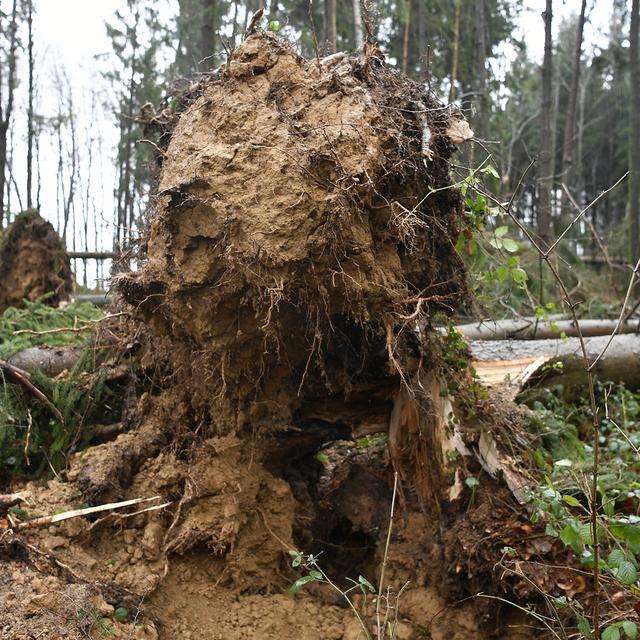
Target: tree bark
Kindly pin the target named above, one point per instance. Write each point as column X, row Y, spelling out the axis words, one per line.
column 480, row 19
column 357, row 24
column 6, row 110
column 546, row 160
column 405, row 35
column 570, row 122
column 529, row 329
column 620, row 363
column 330, row 25
column 30, row 128
column 456, row 51
column 207, row 29
column 634, row 142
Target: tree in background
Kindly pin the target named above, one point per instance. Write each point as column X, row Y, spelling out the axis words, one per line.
column 8, row 65
column 634, row 143
column 137, row 38
column 543, row 211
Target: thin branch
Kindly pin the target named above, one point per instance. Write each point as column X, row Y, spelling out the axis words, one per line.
column 596, row 199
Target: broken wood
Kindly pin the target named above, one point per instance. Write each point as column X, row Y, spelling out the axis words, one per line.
column 558, row 361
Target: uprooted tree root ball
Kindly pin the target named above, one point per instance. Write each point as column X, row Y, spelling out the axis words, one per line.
column 301, row 238
column 33, row 262
column 304, row 213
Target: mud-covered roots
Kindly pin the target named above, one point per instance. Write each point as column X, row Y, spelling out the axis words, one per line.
column 33, row 262
column 300, row 207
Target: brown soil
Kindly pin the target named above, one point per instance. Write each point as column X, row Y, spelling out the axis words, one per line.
column 293, row 227
column 33, row 262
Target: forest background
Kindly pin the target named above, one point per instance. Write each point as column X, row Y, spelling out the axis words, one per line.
column 551, row 90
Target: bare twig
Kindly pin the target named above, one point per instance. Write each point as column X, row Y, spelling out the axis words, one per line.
column 75, row 513
column 386, row 555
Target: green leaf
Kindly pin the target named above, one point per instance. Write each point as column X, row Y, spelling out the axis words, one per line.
column 585, row 533
column 519, row 275
column 608, row 505
column 365, row 583
column 571, row 538
column 611, row 633
column 501, row 231
column 297, row 558
column 615, row 558
column 510, row 245
column 502, row 273
column 322, row 458
column 627, row 573
column 571, row 501
column 584, row 627
column 630, row 629
column 300, row 582
column 490, row 170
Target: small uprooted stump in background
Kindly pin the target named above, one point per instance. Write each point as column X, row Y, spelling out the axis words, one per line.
column 33, row 262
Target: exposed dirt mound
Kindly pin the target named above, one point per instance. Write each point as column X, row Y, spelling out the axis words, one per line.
column 33, row 262
column 302, row 211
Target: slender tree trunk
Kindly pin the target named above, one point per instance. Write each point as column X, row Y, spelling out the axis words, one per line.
column 568, row 146
column 456, row 50
column 357, row 24
column 546, row 160
column 423, row 51
column 207, row 30
column 481, row 67
column 405, row 35
column 634, row 142
column 6, row 110
column 30, row 129
column 330, row 25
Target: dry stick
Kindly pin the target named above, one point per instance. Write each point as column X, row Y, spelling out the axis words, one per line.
column 87, row 325
column 386, row 551
column 594, row 232
column 589, row 370
column 581, row 213
column 75, row 513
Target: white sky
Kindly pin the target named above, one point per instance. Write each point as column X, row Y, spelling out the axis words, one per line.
column 72, row 32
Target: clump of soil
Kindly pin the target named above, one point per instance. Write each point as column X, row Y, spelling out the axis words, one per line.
column 304, row 212
column 33, row 262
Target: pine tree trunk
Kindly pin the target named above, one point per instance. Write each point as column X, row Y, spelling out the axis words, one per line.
column 634, row 143
column 330, row 25
column 405, row 36
column 30, row 129
column 6, row 110
column 480, row 67
column 570, row 123
column 456, row 51
column 207, row 30
column 357, row 24
column 546, row 160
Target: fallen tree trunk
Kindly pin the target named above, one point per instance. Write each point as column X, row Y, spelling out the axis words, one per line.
column 49, row 360
column 620, row 363
column 533, row 329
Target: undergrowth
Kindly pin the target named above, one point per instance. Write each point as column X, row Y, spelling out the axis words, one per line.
column 38, row 436
column 562, row 500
